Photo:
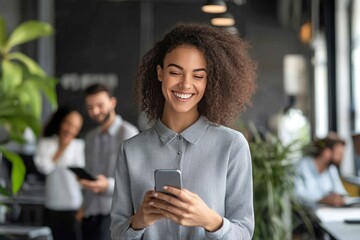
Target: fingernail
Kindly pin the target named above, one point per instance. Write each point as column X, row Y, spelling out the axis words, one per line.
column 151, row 203
column 155, row 194
column 165, row 187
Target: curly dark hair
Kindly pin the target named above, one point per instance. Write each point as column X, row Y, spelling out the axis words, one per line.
column 52, row 127
column 230, row 69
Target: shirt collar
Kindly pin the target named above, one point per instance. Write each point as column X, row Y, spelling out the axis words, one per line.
column 192, row 134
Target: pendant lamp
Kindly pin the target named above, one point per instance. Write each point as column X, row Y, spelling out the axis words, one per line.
column 214, row 6
column 223, row 20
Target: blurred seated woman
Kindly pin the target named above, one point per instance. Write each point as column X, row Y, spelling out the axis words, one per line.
column 57, row 150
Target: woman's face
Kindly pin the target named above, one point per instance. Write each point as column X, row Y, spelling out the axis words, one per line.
column 184, row 79
column 70, row 127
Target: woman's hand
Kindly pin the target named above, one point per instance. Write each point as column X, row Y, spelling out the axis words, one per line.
column 146, row 215
column 186, row 209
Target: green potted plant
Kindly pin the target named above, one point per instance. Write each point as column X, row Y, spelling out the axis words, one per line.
column 22, row 84
column 273, row 180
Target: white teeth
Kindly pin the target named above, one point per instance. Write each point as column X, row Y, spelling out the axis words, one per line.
column 183, row 95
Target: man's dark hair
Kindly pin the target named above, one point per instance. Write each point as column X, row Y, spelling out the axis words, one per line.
column 96, row 88
column 319, row 145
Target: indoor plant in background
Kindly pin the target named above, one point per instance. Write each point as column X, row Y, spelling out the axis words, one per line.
column 22, row 84
column 273, row 184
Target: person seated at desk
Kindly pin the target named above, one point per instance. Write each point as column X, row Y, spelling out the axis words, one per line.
column 318, row 179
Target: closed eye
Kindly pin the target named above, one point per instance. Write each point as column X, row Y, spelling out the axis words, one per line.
column 175, row 73
column 198, row 77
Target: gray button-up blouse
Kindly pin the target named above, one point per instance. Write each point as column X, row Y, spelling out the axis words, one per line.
column 215, row 163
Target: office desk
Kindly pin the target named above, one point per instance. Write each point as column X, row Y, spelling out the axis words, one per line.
column 332, row 222
column 341, row 230
column 31, row 202
column 25, row 232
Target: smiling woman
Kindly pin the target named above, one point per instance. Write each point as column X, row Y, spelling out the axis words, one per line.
column 193, row 80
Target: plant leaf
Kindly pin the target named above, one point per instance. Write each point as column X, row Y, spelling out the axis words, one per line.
column 30, row 64
column 12, row 76
column 28, row 31
column 47, row 86
column 18, row 169
column 30, row 98
column 13, row 115
column 2, row 33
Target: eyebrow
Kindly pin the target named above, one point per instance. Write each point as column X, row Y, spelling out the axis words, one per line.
column 177, row 66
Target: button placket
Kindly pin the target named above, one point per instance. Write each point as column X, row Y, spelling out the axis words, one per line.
column 179, row 153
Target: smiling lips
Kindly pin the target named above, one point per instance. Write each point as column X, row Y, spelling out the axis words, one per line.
column 183, row 96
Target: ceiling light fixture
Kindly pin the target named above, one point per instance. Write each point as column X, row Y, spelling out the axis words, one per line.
column 223, row 20
column 214, row 6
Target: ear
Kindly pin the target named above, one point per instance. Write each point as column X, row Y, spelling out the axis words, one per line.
column 113, row 102
column 159, row 72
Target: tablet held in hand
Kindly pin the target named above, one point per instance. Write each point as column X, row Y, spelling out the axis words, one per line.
column 82, row 173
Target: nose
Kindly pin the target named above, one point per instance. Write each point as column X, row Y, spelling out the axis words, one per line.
column 94, row 110
column 186, row 82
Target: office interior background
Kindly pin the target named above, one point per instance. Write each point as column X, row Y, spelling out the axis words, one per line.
column 103, row 41
column 312, row 46
column 307, row 51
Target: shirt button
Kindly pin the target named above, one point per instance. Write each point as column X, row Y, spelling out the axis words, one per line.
column 178, row 153
column 179, row 137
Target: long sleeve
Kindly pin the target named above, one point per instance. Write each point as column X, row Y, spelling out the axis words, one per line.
column 122, row 207
column 239, row 218
column 43, row 156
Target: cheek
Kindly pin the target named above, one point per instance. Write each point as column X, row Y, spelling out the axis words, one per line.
column 164, row 87
column 62, row 128
column 90, row 112
column 163, row 90
column 108, row 107
column 202, row 88
column 74, row 132
column 339, row 157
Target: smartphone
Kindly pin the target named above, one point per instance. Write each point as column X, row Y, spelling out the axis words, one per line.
column 167, row 177
column 82, row 173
